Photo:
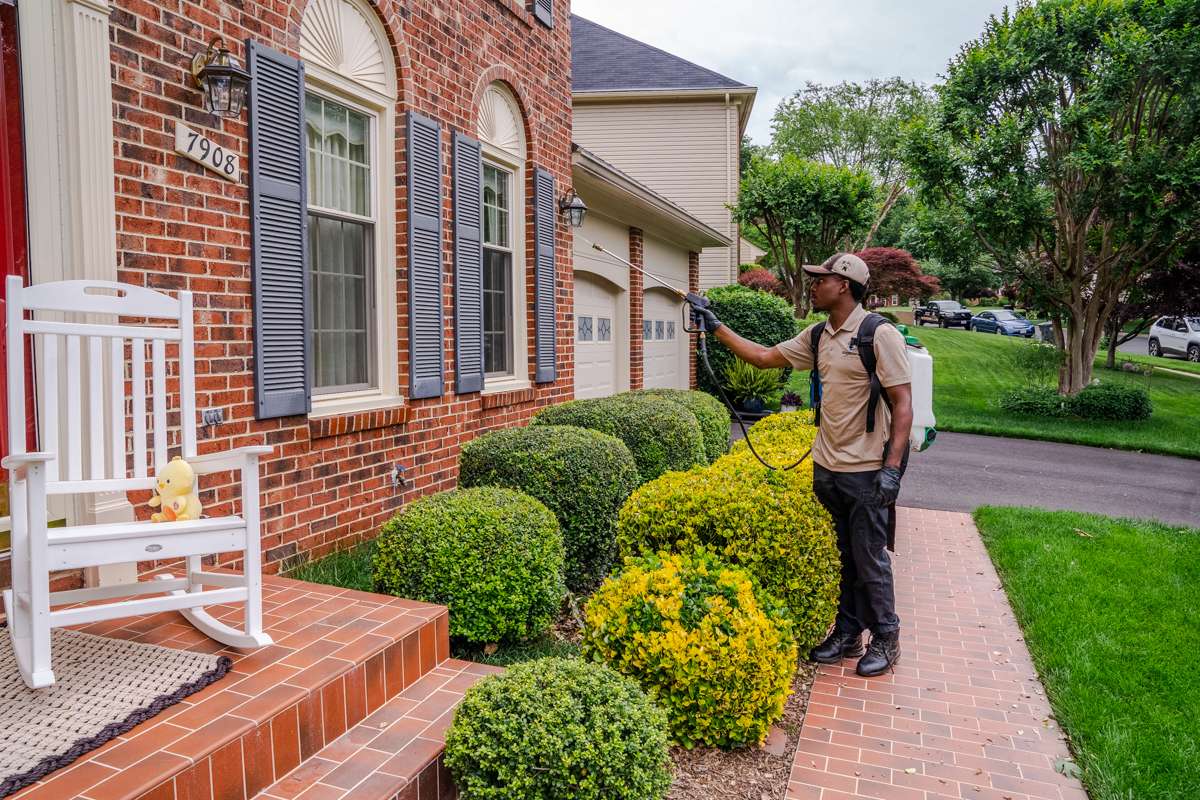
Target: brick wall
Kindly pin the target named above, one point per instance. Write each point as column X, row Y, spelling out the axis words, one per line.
column 693, row 286
column 636, row 303
column 330, row 482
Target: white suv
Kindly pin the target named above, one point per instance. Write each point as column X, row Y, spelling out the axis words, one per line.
column 1176, row 336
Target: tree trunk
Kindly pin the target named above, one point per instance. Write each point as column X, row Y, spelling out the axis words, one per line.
column 800, row 298
column 1114, row 341
column 1081, row 342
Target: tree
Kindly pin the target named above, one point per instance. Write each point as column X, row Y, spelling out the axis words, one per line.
column 805, row 211
column 857, row 126
column 749, row 152
column 1068, row 137
column 895, row 271
column 1168, row 291
column 941, row 237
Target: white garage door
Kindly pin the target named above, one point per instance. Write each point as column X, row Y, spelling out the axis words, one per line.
column 664, row 342
column 595, row 337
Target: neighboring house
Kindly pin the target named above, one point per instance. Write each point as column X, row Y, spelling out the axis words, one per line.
column 672, row 125
column 387, row 278
column 629, row 331
column 749, row 252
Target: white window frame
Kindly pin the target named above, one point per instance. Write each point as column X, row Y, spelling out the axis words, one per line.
column 380, row 110
column 519, row 377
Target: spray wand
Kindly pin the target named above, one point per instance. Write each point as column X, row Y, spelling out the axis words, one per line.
column 696, row 302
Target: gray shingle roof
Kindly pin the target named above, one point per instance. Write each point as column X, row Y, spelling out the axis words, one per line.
column 603, row 60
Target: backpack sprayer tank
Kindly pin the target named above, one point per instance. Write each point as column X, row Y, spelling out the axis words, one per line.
column 920, row 363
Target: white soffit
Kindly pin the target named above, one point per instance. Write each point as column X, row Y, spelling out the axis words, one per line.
column 337, row 35
column 500, row 122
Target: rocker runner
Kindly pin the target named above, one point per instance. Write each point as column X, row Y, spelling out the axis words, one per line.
column 860, row 451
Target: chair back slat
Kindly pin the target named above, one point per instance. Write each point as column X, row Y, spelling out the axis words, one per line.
column 138, row 379
column 158, row 351
column 92, row 438
column 74, row 444
column 50, row 416
column 116, row 404
column 97, row 427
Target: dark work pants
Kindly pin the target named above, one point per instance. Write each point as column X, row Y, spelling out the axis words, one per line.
column 868, row 597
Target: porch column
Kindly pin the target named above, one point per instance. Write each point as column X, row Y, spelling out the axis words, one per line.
column 636, row 300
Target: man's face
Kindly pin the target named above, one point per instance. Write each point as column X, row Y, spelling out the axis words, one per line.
column 824, row 291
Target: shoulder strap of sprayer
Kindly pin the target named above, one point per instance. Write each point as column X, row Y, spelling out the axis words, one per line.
column 864, row 342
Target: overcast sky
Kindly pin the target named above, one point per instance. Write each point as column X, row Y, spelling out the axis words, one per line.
column 777, row 45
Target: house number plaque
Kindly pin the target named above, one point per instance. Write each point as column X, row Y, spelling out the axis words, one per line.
column 206, row 152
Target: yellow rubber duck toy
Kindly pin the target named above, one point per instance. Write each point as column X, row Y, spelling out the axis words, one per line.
column 177, row 494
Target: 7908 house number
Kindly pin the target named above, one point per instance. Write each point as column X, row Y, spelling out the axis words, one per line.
column 206, row 152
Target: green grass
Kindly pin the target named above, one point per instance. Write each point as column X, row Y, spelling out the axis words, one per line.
column 1110, row 618
column 972, row 370
column 351, row 569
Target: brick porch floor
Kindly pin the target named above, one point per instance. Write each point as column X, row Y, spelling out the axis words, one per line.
column 963, row 716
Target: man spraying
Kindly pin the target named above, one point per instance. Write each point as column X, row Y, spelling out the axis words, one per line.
column 860, row 450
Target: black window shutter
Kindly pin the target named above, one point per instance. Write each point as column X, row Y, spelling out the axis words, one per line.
column 545, row 318
column 425, row 334
column 544, row 11
column 468, row 264
column 279, row 235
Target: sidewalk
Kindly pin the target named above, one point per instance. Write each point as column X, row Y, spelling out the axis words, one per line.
column 963, row 716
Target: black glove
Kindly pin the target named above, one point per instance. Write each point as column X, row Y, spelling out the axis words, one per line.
column 702, row 315
column 887, row 486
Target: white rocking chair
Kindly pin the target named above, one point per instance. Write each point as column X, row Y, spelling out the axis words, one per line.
column 38, row 550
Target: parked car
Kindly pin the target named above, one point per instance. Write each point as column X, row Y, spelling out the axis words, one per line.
column 1005, row 323
column 1176, row 336
column 943, row 313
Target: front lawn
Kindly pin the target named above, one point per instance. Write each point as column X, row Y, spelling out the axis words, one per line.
column 1111, row 614
column 972, row 370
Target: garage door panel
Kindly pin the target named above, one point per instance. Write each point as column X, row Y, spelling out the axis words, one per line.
column 596, row 337
column 664, row 343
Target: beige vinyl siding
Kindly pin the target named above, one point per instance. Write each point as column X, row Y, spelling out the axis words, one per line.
column 685, row 151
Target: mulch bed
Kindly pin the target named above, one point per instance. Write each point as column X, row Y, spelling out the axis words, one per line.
column 748, row 773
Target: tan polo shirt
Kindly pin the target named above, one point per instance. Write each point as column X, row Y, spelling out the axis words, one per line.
column 843, row 444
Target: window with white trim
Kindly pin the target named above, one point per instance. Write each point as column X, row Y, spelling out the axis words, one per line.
column 505, row 334
column 350, row 101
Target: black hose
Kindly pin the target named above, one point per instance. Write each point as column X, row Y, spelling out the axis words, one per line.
column 738, row 417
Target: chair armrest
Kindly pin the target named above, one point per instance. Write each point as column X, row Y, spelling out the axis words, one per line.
column 228, row 459
column 17, row 463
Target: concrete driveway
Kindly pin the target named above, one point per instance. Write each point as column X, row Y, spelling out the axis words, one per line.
column 962, row 472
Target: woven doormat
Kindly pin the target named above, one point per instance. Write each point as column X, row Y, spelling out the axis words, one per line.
column 104, row 687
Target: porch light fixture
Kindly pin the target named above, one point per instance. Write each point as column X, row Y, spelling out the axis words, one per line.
column 221, row 78
column 573, row 208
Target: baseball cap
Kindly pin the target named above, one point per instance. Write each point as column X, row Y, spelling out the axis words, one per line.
column 844, row 265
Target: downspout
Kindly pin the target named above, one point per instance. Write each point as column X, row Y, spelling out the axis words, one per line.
column 735, row 250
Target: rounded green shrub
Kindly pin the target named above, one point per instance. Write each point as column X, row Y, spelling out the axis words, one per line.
column 583, row 476
column 493, row 556
column 767, row 521
column 712, row 648
column 558, row 728
column 661, row 435
column 710, row 413
column 1037, row 401
column 1111, row 401
column 758, row 316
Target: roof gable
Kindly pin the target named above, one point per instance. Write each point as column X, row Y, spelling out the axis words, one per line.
column 603, row 60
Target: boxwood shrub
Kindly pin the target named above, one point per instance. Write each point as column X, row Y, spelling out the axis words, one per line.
column 710, row 413
column 1037, row 401
column 769, row 522
column 583, row 476
column 758, row 316
column 494, row 556
column 1111, row 401
column 712, row 648
column 661, row 434
column 558, row 728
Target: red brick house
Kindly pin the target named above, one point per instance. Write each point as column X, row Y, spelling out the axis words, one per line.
column 379, row 266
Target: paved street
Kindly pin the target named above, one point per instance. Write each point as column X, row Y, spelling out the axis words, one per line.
column 962, row 471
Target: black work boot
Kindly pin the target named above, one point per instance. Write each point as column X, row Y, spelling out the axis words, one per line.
column 882, row 653
column 837, row 645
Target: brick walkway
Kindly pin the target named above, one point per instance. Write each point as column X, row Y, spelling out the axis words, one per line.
column 963, row 716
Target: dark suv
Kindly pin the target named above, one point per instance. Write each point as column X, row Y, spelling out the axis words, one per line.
column 943, row 313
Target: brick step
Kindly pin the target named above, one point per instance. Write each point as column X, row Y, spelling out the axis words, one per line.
column 393, row 753
column 338, row 656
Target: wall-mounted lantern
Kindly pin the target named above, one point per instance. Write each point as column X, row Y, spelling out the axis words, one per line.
column 221, row 78
column 573, row 209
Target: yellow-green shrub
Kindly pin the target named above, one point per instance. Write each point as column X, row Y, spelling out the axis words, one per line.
column 769, row 522
column 779, row 438
column 714, row 650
